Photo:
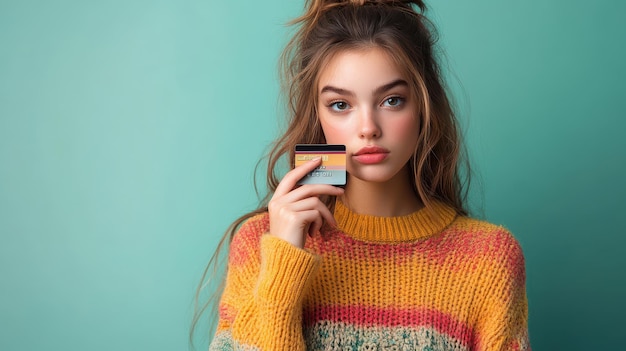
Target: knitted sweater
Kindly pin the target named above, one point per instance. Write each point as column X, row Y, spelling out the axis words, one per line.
column 425, row 281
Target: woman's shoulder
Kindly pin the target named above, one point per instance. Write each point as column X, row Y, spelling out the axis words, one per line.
column 493, row 250
column 487, row 240
column 246, row 239
column 483, row 231
column 256, row 225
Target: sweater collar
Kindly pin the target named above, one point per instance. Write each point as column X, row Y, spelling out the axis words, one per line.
column 417, row 225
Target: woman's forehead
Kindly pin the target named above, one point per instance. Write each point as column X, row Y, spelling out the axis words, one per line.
column 359, row 68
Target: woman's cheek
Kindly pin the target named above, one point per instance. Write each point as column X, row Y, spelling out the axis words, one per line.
column 405, row 128
column 334, row 133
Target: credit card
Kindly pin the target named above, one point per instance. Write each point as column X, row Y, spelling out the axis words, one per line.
column 333, row 168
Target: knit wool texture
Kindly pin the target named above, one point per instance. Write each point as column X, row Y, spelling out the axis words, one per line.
column 430, row 280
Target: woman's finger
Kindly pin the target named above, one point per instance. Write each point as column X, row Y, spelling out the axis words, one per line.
column 290, row 179
column 315, row 226
column 314, row 203
column 310, row 190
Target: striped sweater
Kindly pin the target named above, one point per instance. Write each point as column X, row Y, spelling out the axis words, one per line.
column 430, row 280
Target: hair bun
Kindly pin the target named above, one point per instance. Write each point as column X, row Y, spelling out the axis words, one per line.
column 418, row 3
column 317, row 7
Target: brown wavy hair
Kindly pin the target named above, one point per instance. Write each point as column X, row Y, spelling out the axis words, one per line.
column 409, row 38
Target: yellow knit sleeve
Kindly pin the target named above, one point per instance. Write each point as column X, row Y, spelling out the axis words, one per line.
column 261, row 306
column 503, row 323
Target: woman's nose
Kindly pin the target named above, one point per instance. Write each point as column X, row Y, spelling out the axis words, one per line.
column 369, row 128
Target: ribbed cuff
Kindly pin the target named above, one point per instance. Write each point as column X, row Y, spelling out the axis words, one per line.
column 285, row 271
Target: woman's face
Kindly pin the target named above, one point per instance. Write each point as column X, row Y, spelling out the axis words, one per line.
column 365, row 103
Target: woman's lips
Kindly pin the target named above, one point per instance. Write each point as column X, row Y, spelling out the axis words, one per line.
column 371, row 155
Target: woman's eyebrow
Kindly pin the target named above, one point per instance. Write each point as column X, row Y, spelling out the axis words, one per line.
column 332, row 89
column 389, row 86
column 379, row 90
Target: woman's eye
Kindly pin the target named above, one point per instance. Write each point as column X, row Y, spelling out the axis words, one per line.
column 339, row 106
column 393, row 101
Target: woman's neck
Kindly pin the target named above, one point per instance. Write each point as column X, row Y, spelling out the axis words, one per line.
column 395, row 197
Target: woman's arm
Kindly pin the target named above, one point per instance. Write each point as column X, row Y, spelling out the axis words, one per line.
column 261, row 306
column 503, row 324
column 268, row 269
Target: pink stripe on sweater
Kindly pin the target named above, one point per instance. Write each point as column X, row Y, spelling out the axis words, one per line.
column 465, row 246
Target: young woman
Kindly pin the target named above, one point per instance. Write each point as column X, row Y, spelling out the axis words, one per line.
column 391, row 262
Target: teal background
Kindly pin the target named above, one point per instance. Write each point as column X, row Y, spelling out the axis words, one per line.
column 129, row 131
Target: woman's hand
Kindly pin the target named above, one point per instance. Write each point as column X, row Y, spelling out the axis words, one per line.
column 296, row 211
